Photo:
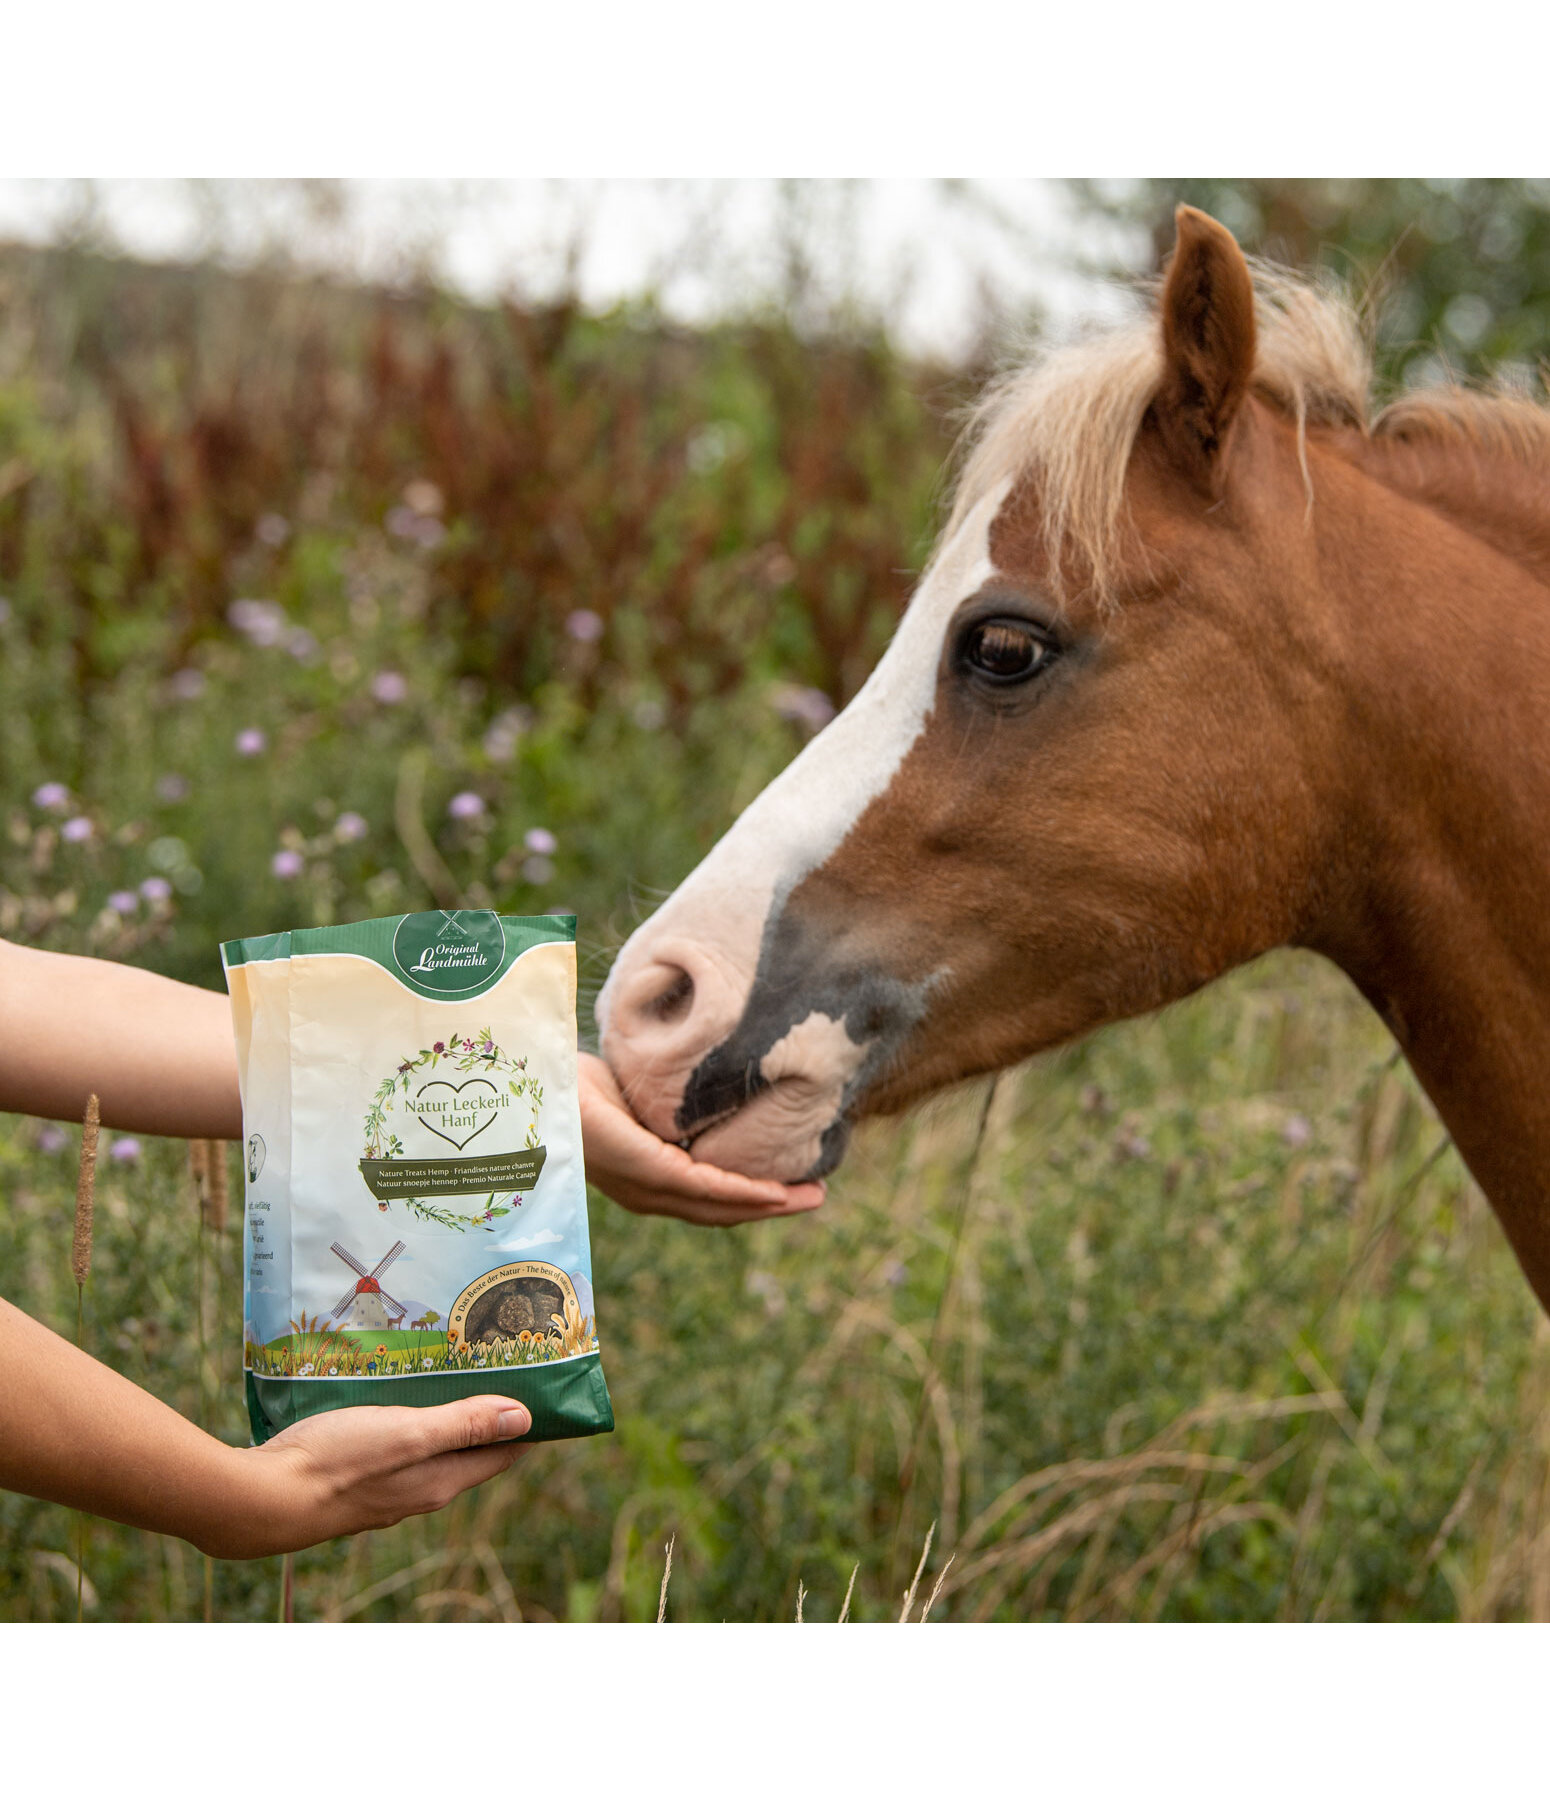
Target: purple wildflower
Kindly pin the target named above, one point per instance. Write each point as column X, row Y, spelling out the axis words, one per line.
column 1297, row 1132
column 251, row 742
column 53, row 796
column 465, row 806
column 405, row 522
column 286, row 865
column 261, row 622
column 500, row 741
column 123, row 900
column 156, row 888
column 1131, row 1145
column 76, row 830
column 439, row 1048
column 584, row 625
column 51, row 1140
column 805, row 706
column 541, row 842
column 350, row 827
column 125, row 1149
column 389, row 687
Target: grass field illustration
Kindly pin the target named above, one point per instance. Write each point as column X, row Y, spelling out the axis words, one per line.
column 314, row 1348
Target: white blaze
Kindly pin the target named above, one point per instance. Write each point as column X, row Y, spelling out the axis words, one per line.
column 718, row 914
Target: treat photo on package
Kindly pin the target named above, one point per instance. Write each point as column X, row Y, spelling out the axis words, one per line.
column 416, row 1216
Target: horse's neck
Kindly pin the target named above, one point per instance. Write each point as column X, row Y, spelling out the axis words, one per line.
column 1446, row 923
column 1474, row 1023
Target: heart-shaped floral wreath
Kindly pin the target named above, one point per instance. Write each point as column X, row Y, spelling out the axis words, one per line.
column 477, row 1054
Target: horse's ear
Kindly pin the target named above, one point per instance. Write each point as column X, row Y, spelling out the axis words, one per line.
column 1208, row 343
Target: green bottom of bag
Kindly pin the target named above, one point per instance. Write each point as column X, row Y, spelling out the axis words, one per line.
column 567, row 1399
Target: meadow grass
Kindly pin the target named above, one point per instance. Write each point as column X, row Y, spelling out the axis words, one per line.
column 1191, row 1322
column 1201, row 1319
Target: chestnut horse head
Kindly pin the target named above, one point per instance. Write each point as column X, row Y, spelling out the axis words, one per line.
column 1161, row 702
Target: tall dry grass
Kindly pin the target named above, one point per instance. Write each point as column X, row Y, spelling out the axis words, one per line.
column 1096, row 1341
column 80, row 1268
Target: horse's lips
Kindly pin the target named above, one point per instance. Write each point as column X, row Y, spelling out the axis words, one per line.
column 739, row 1137
column 687, row 1140
column 775, row 1136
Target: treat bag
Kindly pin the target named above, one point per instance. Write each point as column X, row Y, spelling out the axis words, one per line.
column 416, row 1213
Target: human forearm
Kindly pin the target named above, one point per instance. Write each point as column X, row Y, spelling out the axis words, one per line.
column 158, row 1054
column 72, row 1430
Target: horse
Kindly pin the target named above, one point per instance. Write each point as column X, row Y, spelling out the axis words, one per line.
column 1212, row 656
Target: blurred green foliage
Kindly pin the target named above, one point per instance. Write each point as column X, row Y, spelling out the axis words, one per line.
column 596, row 571
column 1201, row 1319
column 1458, row 272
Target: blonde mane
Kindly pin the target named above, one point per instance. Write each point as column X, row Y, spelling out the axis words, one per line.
column 1069, row 417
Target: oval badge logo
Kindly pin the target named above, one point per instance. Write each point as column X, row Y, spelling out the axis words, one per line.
column 449, row 952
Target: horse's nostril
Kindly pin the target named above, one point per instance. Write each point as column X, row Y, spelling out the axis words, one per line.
column 674, row 1000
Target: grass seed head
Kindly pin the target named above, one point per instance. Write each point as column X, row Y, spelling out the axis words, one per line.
column 217, row 1188
column 85, row 1194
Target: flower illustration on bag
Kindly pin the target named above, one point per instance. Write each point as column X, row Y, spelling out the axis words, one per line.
column 481, row 1059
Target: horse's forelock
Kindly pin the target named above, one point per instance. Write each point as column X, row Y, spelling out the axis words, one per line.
column 1069, row 416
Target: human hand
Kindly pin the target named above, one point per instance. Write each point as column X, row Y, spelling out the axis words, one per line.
column 645, row 1175
column 360, row 1469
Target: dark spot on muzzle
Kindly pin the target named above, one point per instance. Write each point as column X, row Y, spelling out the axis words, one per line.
column 802, row 971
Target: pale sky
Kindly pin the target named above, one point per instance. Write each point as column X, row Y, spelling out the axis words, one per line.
column 930, row 256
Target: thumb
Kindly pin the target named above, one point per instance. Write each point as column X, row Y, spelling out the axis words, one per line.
column 468, row 1424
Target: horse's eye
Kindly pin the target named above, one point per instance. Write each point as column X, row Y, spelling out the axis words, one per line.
column 1007, row 650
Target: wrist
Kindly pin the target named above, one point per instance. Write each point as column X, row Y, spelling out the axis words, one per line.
column 242, row 1505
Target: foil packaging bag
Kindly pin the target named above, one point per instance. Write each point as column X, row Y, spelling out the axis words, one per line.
column 416, row 1212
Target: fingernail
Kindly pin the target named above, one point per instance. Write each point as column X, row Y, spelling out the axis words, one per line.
column 513, row 1422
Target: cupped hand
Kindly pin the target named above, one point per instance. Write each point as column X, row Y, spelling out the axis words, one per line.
column 646, row 1175
column 362, row 1468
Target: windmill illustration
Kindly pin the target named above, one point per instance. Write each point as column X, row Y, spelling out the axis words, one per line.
column 364, row 1302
